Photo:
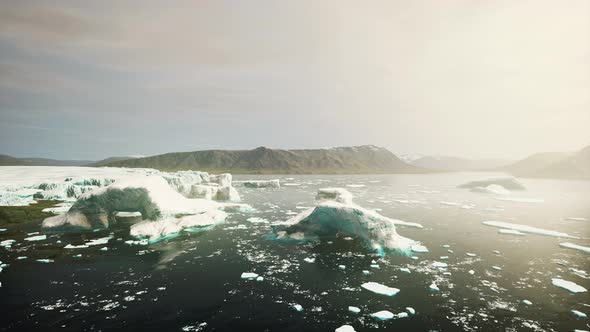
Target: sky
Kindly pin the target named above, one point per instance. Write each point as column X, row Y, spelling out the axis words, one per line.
column 473, row 78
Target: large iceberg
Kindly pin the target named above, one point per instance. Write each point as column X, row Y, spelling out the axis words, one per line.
column 336, row 213
column 164, row 210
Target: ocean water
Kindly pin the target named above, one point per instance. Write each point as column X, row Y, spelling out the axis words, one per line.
column 192, row 282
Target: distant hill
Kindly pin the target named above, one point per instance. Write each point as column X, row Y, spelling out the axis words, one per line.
column 556, row 165
column 107, row 161
column 343, row 160
column 446, row 163
column 12, row 161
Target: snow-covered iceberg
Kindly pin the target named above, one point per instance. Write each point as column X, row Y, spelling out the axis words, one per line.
column 336, row 213
column 164, row 210
column 527, row 229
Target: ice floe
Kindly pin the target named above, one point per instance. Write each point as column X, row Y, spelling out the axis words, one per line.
column 568, row 285
column 380, row 289
column 527, row 229
column 579, row 314
column 353, row 309
column 505, row 183
column 575, row 246
column 345, row 328
column 249, row 275
column 36, row 238
column 383, row 315
column 259, row 183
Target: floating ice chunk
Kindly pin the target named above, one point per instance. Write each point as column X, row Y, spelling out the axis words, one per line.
column 375, row 266
column 576, row 218
column 260, row 183
column 329, row 218
column 355, row 310
column 402, row 315
column 36, row 238
column 405, row 269
column 339, row 195
column 450, row 203
column 440, row 265
column 249, row 275
column 128, row 214
column 521, row 199
column 259, row 278
column 568, row 285
column 309, row 259
column 505, row 183
column 471, row 272
column 383, row 315
column 470, row 254
column 345, row 328
column 444, row 257
column 366, row 272
column 297, row 307
column 527, row 229
column 527, row 302
column 411, row 310
column 497, row 268
column 355, row 185
column 575, row 246
column 20, row 258
column 45, row 260
column 579, row 314
column 7, row 243
column 380, row 289
column 71, row 246
column 418, row 248
column 434, row 287
column 342, row 267
column 2, row 229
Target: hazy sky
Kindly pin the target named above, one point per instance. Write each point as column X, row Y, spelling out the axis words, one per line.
column 91, row 79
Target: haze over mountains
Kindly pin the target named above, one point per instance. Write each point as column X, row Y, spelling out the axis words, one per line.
column 342, row 160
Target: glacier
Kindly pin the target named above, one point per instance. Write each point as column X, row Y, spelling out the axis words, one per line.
column 336, row 213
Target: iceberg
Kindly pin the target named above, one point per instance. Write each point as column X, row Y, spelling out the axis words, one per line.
column 345, row 328
column 440, row 265
column 164, row 210
column 575, row 246
column 380, row 289
column 506, row 183
column 527, row 229
column 332, row 216
column 260, row 183
column 249, row 275
column 418, row 248
column 383, row 315
column 434, row 287
column 568, row 285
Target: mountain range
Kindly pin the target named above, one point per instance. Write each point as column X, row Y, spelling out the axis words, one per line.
column 342, row 160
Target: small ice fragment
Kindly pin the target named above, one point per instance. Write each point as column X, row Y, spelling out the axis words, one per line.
column 440, row 265
column 527, row 302
column 496, row 268
column 434, row 287
column 579, row 314
column 418, row 248
column 345, row 328
column 527, row 229
column 36, row 238
column 19, row 258
column 297, row 307
column 411, row 310
column 570, row 286
column 446, row 246
column 405, row 269
column 375, row 266
column 365, row 272
column 161, row 288
column 260, row 278
column 129, row 298
column 348, row 238
column 342, row 267
column 470, row 254
column 309, row 259
column 71, row 246
column 249, row 275
column 355, row 310
column 471, row 272
column 497, row 252
column 383, row 315
column 402, row 315
column 256, row 220
column 380, row 289
column 444, row 257
column 576, row 219
column 45, row 260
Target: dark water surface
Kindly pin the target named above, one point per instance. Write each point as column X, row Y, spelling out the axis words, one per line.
column 192, row 282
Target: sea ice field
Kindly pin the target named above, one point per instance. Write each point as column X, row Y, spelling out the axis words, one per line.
column 468, row 254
